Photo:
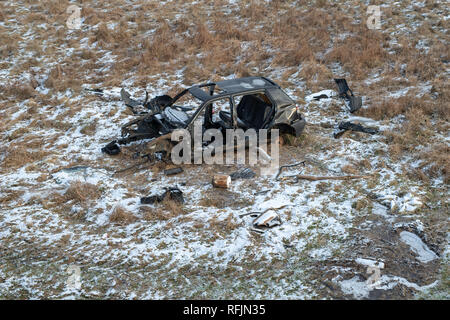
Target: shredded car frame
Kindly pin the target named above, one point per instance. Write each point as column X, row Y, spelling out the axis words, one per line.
column 243, row 103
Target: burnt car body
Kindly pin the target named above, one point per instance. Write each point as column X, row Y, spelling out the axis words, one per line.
column 246, row 103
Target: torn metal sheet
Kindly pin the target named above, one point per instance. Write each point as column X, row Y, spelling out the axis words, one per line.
column 268, row 219
column 173, row 171
column 244, row 173
column 346, row 93
column 345, row 126
column 173, row 193
column 111, row 148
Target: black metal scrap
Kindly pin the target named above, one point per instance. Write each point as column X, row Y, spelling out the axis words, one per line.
column 174, row 193
column 347, row 125
column 354, row 102
column 245, row 173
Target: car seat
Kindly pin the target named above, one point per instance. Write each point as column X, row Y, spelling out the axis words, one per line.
column 253, row 112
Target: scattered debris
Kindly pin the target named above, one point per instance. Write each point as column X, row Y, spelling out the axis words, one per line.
column 257, row 230
column 317, row 178
column 402, row 204
column 244, row 173
column 263, row 220
column 129, row 102
column 251, row 214
column 111, row 148
column 321, row 96
column 288, row 166
column 137, row 165
column 268, row 219
column 354, row 102
column 173, row 171
column 174, row 193
column 221, row 181
column 345, row 126
column 308, row 160
column 262, row 192
column 267, row 216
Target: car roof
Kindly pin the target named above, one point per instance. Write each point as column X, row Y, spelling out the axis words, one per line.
column 232, row 86
column 245, row 84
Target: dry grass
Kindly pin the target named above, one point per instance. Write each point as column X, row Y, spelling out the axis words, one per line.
column 359, row 53
column 302, row 47
column 221, row 198
column 223, row 226
column 20, row 155
column 167, row 210
column 75, row 202
column 82, row 192
column 436, row 162
column 10, row 195
column 122, row 216
column 18, row 91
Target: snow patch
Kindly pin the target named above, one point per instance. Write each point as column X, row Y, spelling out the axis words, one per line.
column 424, row 254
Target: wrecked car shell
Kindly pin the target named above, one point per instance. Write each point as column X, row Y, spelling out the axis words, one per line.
column 252, row 102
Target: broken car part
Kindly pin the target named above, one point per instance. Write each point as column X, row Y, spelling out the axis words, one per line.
column 174, row 193
column 354, row 102
column 111, row 148
column 173, row 171
column 344, row 126
column 288, row 166
column 319, row 97
column 244, row 173
column 268, row 219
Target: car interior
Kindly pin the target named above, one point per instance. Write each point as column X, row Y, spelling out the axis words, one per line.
column 253, row 111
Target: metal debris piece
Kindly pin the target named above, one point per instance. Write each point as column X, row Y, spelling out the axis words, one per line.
column 262, row 192
column 244, row 173
column 288, row 166
column 173, row 171
column 253, row 214
column 95, row 91
column 322, row 96
column 347, row 125
column 354, row 102
column 174, row 193
column 258, row 230
column 268, row 219
column 111, row 148
column 126, row 98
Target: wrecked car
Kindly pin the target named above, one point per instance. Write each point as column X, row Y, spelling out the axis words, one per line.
column 250, row 102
